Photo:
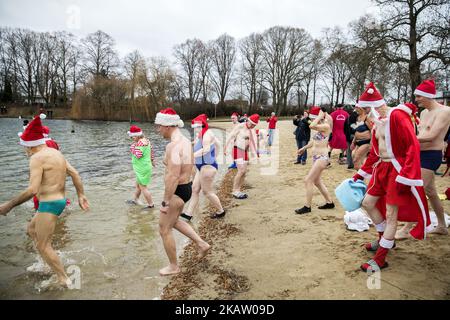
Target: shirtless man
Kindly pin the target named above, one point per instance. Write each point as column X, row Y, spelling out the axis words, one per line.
column 244, row 139
column 434, row 123
column 179, row 162
column 48, row 171
column 235, row 121
column 393, row 167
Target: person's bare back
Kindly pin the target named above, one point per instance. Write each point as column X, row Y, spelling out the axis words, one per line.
column 54, row 171
column 180, row 149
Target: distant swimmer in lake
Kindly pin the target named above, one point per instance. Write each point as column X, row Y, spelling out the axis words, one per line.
column 142, row 158
column 179, row 162
column 48, row 171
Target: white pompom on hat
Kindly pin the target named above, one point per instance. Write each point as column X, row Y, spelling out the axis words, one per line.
column 371, row 97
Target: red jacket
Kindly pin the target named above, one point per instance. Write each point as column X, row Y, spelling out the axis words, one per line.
column 272, row 122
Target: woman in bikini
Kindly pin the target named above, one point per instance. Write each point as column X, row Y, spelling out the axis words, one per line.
column 320, row 132
column 361, row 142
column 205, row 146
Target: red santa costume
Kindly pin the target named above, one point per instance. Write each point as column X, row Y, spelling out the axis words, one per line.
column 338, row 139
column 397, row 181
column 49, row 141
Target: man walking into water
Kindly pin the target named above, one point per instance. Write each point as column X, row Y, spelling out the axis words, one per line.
column 179, row 162
column 244, row 139
column 434, row 124
column 48, row 171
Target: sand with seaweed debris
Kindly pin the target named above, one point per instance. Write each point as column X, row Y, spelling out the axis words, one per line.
column 262, row 250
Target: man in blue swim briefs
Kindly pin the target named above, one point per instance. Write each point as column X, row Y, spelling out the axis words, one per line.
column 433, row 126
column 48, row 171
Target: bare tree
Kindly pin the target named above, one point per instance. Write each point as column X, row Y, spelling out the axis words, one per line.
column 205, row 65
column 223, row 53
column 188, row 56
column 252, row 65
column 413, row 31
column 156, row 80
column 285, row 52
column 100, row 56
column 134, row 64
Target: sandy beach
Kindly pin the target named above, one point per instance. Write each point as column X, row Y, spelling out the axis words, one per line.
column 263, row 250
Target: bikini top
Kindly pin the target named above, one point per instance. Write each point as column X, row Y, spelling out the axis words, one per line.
column 319, row 136
column 361, row 126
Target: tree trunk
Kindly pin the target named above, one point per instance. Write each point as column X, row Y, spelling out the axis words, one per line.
column 414, row 65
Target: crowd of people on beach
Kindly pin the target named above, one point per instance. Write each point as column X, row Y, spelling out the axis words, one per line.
column 394, row 151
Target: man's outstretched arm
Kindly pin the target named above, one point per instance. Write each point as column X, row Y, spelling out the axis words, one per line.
column 36, row 172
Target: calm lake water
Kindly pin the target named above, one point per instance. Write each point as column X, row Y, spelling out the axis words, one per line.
column 116, row 247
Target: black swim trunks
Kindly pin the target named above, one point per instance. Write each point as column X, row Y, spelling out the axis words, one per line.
column 184, row 191
column 431, row 159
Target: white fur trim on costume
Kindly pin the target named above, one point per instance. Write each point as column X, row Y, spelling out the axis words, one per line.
column 135, row 134
column 42, row 116
column 251, row 122
column 422, row 209
column 169, row 120
column 196, row 125
column 364, row 174
column 19, row 134
column 403, row 108
column 424, row 94
column 372, row 104
column 33, row 143
column 388, row 244
column 381, row 226
column 409, row 182
column 45, row 135
column 312, row 116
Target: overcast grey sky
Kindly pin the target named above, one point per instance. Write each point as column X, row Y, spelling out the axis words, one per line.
column 155, row 26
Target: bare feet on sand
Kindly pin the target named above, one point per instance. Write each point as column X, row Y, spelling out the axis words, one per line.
column 65, row 283
column 169, row 270
column 203, row 250
column 403, row 234
column 439, row 230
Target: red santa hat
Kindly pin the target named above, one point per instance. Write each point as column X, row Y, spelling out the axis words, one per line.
column 200, row 122
column 169, row 118
column 314, row 112
column 426, row 89
column 411, row 109
column 135, row 131
column 45, row 131
column 33, row 135
column 371, row 97
column 254, row 119
column 234, row 115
